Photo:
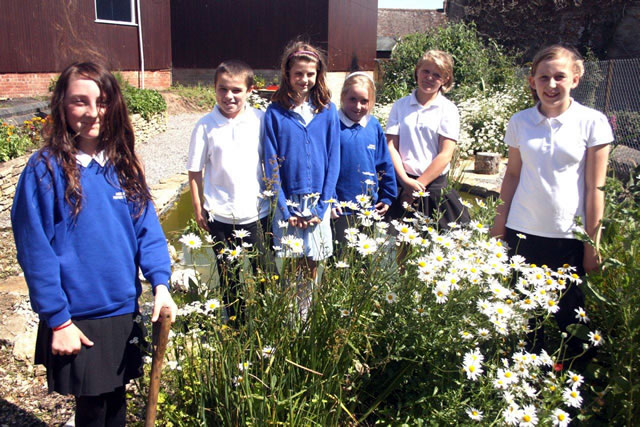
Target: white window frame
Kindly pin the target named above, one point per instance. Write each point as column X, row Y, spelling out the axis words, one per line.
column 132, row 23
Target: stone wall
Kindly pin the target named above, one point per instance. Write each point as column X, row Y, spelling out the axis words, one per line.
column 10, row 171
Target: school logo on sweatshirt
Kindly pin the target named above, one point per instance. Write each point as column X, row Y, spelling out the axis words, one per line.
column 119, row 195
column 371, row 146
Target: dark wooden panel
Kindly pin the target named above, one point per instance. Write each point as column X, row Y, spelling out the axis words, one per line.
column 352, row 34
column 206, row 32
column 48, row 35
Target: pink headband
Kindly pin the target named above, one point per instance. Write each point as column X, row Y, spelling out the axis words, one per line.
column 304, row 52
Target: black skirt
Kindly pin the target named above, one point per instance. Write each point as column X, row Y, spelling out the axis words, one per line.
column 114, row 359
column 443, row 206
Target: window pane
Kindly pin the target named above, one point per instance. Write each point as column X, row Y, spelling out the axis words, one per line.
column 114, row 10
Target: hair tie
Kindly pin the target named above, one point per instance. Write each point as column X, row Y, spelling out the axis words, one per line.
column 360, row 73
column 304, row 52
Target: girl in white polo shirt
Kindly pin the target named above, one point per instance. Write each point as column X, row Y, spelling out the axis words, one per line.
column 558, row 153
column 422, row 131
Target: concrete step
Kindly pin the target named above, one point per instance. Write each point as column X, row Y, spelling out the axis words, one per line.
column 16, row 111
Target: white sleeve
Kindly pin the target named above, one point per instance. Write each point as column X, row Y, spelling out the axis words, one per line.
column 197, row 148
column 511, row 134
column 393, row 122
column 450, row 123
column 601, row 132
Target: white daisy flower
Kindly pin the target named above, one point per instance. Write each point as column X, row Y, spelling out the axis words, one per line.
column 528, row 416
column 574, row 380
column 572, row 397
column 581, row 315
column 241, row 233
column 391, row 297
column 212, row 304
column 595, row 338
column 342, row 264
column 267, row 352
column 560, row 418
column 244, row 366
column 191, row 241
column 521, row 236
column 344, row 312
column 474, row 414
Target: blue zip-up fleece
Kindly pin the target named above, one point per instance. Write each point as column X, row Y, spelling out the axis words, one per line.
column 364, row 155
column 84, row 267
column 302, row 160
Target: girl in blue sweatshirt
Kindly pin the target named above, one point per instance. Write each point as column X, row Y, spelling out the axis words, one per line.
column 367, row 177
column 302, row 157
column 84, row 223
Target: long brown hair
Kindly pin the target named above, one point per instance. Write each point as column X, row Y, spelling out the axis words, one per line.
column 320, row 94
column 117, row 138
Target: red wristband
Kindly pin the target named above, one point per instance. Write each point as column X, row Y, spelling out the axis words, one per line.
column 61, row 327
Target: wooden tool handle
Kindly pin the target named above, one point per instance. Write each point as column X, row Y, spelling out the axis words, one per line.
column 159, row 342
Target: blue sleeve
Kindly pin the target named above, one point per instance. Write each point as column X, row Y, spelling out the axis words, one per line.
column 333, row 161
column 153, row 255
column 388, row 188
column 33, row 220
column 272, row 161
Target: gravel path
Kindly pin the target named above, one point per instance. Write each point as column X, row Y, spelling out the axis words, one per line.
column 165, row 154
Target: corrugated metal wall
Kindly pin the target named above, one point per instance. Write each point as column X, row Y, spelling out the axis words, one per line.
column 47, row 35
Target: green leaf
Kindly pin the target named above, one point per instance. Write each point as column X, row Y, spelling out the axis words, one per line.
column 579, row 331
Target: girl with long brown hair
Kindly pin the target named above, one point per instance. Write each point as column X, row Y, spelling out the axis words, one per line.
column 84, row 224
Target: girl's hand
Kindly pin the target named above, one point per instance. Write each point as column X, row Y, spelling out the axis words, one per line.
column 201, row 219
column 498, row 231
column 591, row 259
column 163, row 299
column 336, row 212
column 411, row 185
column 69, row 341
column 293, row 221
column 382, row 208
column 314, row 221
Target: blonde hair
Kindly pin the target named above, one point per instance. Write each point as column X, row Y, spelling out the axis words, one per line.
column 444, row 62
column 359, row 79
column 320, row 94
column 554, row 52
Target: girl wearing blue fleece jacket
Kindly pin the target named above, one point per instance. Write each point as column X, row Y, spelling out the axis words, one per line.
column 302, row 156
column 84, row 223
column 366, row 175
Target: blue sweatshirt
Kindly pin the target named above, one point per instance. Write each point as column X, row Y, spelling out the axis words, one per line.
column 364, row 155
column 302, row 160
column 84, row 267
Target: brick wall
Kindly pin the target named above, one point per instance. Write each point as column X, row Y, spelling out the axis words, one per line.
column 19, row 85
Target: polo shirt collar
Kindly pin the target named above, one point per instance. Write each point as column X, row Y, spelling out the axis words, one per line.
column 84, row 159
column 436, row 102
column 349, row 123
column 221, row 120
column 562, row 118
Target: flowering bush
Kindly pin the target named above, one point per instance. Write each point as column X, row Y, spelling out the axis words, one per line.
column 484, row 118
column 438, row 338
column 17, row 140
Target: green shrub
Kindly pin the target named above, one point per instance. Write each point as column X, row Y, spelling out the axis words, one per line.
column 146, row 102
column 478, row 64
column 613, row 298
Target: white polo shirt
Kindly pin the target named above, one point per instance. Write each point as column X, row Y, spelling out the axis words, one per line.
column 550, row 193
column 418, row 128
column 230, row 152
